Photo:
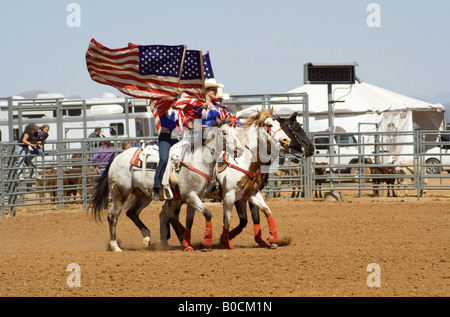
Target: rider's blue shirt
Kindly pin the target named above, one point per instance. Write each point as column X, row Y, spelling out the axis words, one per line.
column 211, row 117
column 168, row 121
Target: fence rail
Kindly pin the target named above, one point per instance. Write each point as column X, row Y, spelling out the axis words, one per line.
column 370, row 171
column 366, row 168
column 63, row 175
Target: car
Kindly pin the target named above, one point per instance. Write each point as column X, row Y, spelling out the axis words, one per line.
column 347, row 151
column 437, row 159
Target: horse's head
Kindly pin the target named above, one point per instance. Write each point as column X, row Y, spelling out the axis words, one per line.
column 230, row 141
column 300, row 141
column 274, row 129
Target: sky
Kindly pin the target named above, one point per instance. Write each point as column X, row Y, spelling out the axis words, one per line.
column 256, row 46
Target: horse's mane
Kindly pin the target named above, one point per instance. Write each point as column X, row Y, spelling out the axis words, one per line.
column 257, row 119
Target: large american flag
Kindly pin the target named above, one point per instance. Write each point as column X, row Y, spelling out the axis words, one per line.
column 160, row 73
column 151, row 71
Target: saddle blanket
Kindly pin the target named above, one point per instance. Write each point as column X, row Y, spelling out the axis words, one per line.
column 151, row 153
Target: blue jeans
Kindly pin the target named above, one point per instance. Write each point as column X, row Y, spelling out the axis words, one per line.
column 165, row 142
column 25, row 159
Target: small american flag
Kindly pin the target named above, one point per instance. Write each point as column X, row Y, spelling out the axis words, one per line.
column 191, row 90
column 192, row 78
column 207, row 68
column 151, row 71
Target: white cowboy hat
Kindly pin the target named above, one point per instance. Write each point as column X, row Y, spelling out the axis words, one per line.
column 222, row 94
column 211, row 83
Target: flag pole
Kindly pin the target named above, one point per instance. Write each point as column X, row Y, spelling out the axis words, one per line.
column 203, row 74
column 182, row 64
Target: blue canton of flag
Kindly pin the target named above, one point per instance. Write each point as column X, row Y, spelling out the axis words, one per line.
column 192, row 68
column 207, row 68
column 161, row 60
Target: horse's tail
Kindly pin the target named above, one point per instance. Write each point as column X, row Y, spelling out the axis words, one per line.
column 100, row 195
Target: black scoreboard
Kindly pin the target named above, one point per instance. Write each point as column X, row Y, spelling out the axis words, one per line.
column 329, row 73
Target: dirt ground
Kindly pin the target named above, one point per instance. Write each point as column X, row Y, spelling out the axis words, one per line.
column 325, row 250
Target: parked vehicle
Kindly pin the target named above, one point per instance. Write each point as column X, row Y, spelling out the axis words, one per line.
column 438, row 158
column 346, row 151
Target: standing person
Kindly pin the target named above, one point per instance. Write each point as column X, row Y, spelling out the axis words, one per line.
column 96, row 134
column 42, row 136
column 27, row 140
column 103, row 157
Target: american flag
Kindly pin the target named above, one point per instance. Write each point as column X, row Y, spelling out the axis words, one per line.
column 191, row 90
column 207, row 68
column 192, row 78
column 151, row 71
column 164, row 74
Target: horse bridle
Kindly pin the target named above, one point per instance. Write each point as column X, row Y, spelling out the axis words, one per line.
column 272, row 133
column 295, row 135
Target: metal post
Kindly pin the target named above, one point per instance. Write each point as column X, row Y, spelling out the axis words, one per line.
column 331, row 140
column 127, row 117
column 308, row 185
column 59, row 153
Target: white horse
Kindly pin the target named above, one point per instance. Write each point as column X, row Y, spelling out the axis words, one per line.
column 131, row 187
column 195, row 175
column 241, row 179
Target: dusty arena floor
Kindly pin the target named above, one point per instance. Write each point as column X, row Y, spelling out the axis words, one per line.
column 325, row 250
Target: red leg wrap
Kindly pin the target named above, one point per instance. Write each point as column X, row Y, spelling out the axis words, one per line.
column 272, row 230
column 225, row 239
column 207, row 240
column 258, row 236
column 187, row 241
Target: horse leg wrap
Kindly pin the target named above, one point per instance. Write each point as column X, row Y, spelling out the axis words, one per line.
column 207, row 240
column 272, row 230
column 235, row 232
column 258, row 236
column 187, row 241
column 225, row 239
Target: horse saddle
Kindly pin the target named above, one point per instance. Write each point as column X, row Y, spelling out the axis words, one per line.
column 149, row 155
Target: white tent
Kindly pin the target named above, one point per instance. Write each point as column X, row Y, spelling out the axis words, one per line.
column 361, row 106
column 361, row 102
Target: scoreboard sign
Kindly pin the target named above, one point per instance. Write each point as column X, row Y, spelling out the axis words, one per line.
column 330, row 73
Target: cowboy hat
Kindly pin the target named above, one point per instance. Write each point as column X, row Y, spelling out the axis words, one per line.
column 222, row 94
column 211, row 83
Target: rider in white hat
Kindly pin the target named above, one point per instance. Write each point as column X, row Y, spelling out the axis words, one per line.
column 213, row 110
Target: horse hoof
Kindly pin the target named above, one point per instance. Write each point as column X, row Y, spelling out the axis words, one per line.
column 114, row 246
column 273, row 245
column 207, row 242
column 189, row 248
column 226, row 244
column 146, row 242
column 263, row 244
column 272, row 238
